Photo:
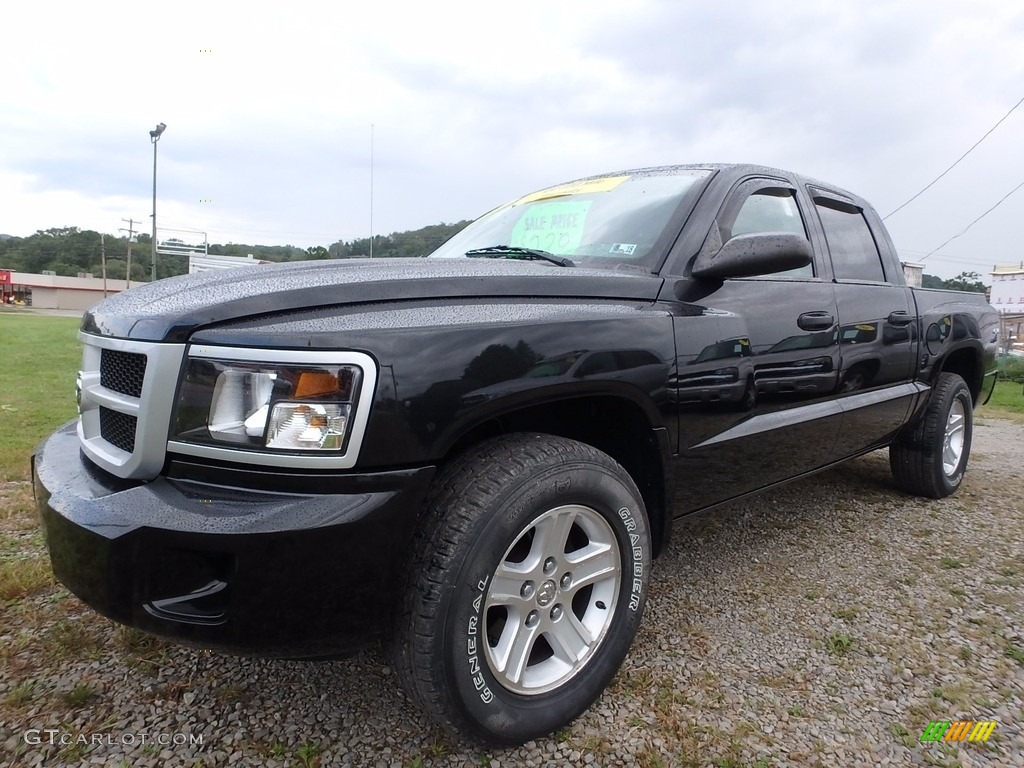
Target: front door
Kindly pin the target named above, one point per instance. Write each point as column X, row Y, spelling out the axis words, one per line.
column 758, row 362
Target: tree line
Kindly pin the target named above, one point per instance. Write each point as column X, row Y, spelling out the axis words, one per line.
column 965, row 281
column 69, row 251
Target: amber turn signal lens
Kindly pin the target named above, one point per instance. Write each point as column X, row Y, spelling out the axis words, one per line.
column 313, row 383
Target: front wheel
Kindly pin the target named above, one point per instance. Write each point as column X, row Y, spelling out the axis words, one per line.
column 526, row 588
column 930, row 459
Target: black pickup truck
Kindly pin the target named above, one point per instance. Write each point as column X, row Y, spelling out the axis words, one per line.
column 474, row 457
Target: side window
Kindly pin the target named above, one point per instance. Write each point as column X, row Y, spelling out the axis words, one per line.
column 770, row 209
column 850, row 242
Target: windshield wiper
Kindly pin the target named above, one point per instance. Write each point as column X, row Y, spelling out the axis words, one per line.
column 515, row 252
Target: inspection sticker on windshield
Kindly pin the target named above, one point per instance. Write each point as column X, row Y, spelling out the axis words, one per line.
column 626, row 248
column 605, row 184
column 554, row 227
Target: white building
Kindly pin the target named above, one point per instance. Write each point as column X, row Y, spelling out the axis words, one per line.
column 51, row 291
column 1008, row 299
column 205, row 263
column 913, row 273
column 1008, row 288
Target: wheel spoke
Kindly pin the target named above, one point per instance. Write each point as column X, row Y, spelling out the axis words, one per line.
column 568, row 638
column 948, row 459
column 592, row 564
column 516, row 643
column 507, row 585
column 552, row 532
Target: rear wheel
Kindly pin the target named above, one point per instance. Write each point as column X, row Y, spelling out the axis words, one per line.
column 930, row 459
column 526, row 588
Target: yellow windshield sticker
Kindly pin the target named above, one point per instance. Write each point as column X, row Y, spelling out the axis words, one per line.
column 555, row 227
column 604, row 184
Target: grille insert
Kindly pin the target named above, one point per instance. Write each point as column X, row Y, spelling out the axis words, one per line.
column 118, row 429
column 123, row 372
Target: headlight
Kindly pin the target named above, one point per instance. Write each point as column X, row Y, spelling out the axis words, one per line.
column 267, row 406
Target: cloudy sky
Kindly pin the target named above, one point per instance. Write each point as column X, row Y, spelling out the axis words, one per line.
column 272, row 110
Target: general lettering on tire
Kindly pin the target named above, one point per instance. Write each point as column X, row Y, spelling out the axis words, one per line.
column 473, row 645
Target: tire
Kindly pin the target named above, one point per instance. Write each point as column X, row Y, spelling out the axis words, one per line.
column 929, row 458
column 855, row 379
column 526, row 587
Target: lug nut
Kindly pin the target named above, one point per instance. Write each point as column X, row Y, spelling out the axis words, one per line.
column 566, row 581
column 549, row 566
column 556, row 613
column 527, row 591
column 531, row 619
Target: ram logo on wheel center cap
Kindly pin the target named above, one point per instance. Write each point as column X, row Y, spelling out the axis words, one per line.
column 546, row 593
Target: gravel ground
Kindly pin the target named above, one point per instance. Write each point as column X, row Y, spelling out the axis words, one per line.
column 821, row 624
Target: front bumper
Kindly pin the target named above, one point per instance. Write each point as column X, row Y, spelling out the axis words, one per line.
column 293, row 574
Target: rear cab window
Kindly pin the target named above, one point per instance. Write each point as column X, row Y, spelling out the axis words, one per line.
column 851, row 243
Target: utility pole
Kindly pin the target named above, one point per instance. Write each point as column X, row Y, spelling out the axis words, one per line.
column 371, row 190
column 154, row 137
column 128, row 268
column 103, row 263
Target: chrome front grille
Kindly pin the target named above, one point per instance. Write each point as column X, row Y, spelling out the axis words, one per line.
column 126, row 394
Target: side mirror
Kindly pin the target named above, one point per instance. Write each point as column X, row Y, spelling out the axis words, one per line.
column 759, row 253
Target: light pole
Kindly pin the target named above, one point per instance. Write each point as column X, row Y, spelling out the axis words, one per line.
column 154, row 137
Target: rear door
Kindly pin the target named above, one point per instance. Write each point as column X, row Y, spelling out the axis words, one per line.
column 877, row 323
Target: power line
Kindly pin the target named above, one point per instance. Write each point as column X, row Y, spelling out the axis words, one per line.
column 954, row 165
column 949, row 257
column 280, row 232
column 975, row 263
column 964, row 230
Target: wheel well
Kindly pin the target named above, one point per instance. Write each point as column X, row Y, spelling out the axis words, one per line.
column 966, row 363
column 871, row 367
column 613, row 425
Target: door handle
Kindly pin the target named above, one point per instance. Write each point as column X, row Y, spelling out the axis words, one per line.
column 819, row 320
column 899, row 317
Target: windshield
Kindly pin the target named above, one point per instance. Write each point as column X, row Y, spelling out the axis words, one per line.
column 603, row 221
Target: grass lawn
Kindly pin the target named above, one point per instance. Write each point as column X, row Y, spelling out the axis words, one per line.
column 1007, row 402
column 39, row 358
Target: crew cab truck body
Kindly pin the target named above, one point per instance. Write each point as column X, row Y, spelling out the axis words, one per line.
column 475, row 456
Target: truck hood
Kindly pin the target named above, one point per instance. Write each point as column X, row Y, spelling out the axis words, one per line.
column 171, row 310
